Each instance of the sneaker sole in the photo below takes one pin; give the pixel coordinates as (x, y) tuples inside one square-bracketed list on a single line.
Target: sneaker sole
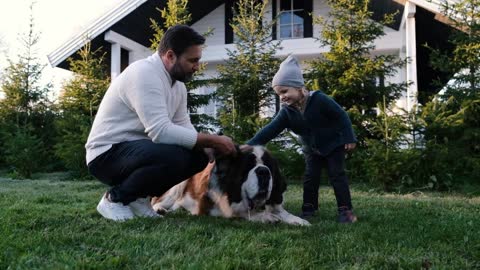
[(140, 214), (105, 214)]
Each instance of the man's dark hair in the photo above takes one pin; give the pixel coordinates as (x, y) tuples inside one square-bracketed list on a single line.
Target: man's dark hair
[(178, 38)]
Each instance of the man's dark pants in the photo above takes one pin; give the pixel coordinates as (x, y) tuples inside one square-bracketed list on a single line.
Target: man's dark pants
[(141, 168), (335, 165)]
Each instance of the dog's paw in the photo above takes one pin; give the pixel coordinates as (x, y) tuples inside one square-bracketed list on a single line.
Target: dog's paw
[(301, 222), (159, 209), (264, 217), (294, 220), (269, 218)]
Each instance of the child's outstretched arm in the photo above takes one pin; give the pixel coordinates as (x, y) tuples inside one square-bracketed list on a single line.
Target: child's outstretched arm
[(271, 130)]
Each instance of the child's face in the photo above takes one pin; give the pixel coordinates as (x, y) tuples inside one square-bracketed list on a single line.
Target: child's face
[(288, 95)]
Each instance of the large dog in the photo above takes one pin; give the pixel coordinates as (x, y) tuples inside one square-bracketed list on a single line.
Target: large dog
[(248, 186)]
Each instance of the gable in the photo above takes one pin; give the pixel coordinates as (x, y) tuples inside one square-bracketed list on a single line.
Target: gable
[(131, 18)]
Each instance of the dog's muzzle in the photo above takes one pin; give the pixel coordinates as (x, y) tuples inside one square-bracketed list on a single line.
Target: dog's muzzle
[(258, 201)]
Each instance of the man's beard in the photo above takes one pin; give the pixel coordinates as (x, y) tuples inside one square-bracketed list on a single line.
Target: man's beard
[(179, 74)]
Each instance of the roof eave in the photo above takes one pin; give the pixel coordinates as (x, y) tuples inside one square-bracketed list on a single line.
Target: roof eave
[(98, 27)]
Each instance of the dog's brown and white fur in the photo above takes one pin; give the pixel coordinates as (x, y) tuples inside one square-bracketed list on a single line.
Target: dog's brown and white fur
[(248, 185)]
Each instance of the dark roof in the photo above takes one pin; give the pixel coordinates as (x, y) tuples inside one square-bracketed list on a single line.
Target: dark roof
[(136, 25), (382, 7), (435, 34)]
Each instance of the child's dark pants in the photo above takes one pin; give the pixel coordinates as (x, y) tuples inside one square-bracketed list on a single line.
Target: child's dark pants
[(141, 168), (335, 165)]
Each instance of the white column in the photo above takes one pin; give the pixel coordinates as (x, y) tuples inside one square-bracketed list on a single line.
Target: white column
[(411, 51), (136, 51), (115, 58)]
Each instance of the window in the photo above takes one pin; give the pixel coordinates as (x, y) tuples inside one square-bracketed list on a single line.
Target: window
[(294, 19), (211, 108), (291, 19)]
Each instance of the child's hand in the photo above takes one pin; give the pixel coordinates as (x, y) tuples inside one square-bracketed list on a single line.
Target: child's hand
[(350, 146)]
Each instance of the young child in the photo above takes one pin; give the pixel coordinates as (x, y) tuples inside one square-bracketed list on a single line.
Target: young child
[(325, 131)]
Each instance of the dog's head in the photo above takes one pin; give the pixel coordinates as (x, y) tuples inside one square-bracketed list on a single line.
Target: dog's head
[(252, 177)]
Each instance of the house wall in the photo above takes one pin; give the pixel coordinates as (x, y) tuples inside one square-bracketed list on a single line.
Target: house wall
[(216, 21), (215, 52), (320, 9), (307, 48)]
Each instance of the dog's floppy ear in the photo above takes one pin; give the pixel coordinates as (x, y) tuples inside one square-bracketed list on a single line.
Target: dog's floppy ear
[(220, 157), (223, 162), (279, 185)]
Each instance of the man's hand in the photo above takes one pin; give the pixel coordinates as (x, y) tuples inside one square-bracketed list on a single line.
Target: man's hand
[(350, 146), (223, 145)]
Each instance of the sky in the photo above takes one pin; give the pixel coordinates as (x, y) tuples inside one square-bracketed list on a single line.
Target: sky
[(55, 20)]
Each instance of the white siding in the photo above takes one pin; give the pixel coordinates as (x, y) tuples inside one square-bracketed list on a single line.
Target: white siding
[(267, 17), (307, 48), (215, 20), (320, 9)]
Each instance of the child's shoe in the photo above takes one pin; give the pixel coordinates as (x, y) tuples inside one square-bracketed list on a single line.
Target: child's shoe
[(346, 215)]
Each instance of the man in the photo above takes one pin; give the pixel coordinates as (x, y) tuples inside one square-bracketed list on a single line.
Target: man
[(142, 142)]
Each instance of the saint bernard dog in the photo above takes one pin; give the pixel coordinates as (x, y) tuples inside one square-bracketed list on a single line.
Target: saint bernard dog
[(248, 186)]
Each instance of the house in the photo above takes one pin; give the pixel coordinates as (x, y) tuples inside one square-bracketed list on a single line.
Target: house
[(124, 34)]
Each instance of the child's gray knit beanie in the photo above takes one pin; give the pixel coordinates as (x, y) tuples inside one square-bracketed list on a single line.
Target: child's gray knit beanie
[(289, 74)]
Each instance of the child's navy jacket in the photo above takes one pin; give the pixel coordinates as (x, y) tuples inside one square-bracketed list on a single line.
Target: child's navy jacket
[(322, 127)]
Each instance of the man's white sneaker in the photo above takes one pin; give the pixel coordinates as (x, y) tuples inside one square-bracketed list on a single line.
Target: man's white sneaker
[(114, 211), (143, 208)]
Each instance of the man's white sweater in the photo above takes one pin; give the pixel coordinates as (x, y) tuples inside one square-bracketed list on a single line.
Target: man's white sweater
[(141, 103)]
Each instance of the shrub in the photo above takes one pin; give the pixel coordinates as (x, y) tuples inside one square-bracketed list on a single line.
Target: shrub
[(71, 150), (287, 151), (24, 152)]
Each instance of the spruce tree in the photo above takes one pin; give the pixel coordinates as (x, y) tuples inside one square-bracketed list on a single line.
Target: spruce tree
[(464, 61), (454, 113), (26, 117), (349, 72), (78, 104), (174, 13), (452, 125), (244, 80)]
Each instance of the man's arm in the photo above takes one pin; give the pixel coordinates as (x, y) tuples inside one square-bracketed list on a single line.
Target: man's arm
[(147, 99)]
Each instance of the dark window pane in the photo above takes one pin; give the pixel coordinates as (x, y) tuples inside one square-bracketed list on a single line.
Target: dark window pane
[(298, 4), (285, 4)]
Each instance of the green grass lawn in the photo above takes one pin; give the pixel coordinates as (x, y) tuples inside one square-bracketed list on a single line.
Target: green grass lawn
[(52, 224)]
